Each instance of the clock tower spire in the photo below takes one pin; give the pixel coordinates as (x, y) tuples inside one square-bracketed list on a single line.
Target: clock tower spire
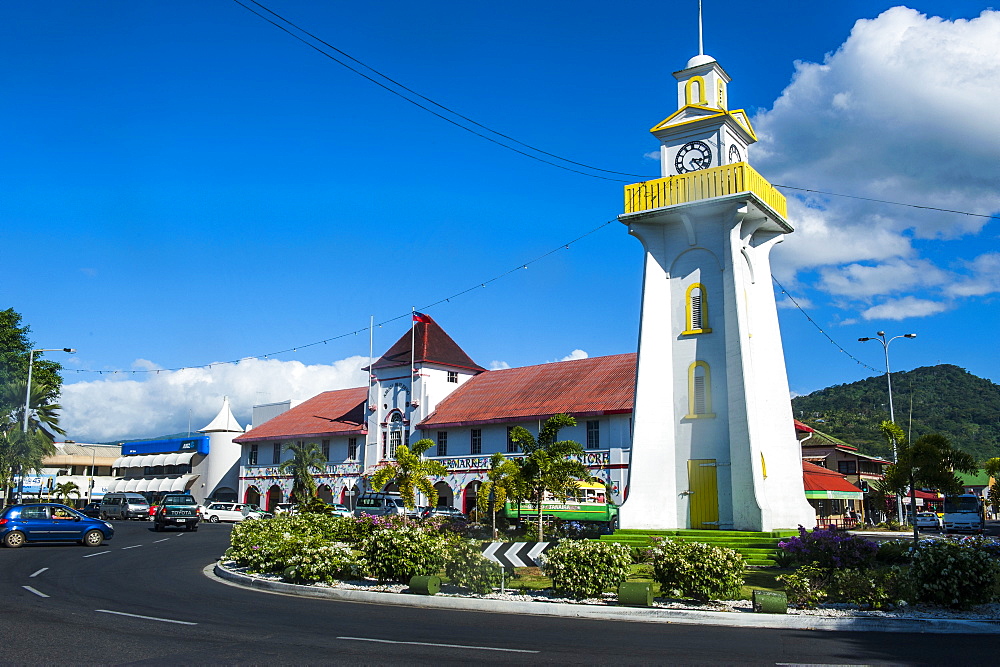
[(713, 441)]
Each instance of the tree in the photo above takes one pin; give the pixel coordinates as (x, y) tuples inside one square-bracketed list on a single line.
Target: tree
[(411, 472), (549, 465), (992, 468), (307, 457), (22, 451), (63, 491), (15, 348), (503, 481), (929, 463)]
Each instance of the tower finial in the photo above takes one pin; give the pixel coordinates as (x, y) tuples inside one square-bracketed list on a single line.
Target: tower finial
[(701, 41)]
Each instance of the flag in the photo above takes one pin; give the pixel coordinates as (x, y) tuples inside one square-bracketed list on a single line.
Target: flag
[(420, 317)]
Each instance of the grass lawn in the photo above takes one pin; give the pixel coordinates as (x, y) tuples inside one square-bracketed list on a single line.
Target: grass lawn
[(531, 578)]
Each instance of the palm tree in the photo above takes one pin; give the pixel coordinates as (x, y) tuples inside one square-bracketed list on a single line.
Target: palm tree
[(63, 491), (411, 472), (306, 458), (502, 481), (550, 465), (22, 451)]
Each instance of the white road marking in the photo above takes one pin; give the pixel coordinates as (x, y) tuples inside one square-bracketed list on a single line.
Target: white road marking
[(35, 591), (134, 546), (148, 618), (163, 540), (99, 553), (35, 574), (474, 648)]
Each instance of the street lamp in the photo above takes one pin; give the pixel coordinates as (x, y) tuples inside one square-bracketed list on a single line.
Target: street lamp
[(27, 404), (888, 378), (27, 393)]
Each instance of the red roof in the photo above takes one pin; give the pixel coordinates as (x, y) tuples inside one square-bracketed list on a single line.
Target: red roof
[(340, 412), (431, 345), (799, 426), (818, 478), (581, 388)]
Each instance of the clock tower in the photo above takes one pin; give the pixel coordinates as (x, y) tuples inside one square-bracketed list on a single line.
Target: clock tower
[(713, 443)]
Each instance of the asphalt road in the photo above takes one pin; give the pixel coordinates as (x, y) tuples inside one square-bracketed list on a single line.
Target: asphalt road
[(143, 599)]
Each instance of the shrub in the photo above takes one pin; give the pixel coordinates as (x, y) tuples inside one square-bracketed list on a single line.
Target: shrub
[(806, 587), (953, 574), (270, 545), (466, 566), (894, 552), (584, 569), (696, 570), (830, 549), (400, 553), (875, 588), (325, 563)]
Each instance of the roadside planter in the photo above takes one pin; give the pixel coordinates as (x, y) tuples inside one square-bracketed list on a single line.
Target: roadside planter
[(770, 602)]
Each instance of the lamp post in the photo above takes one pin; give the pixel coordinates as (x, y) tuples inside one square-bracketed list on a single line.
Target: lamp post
[(892, 413), (27, 408)]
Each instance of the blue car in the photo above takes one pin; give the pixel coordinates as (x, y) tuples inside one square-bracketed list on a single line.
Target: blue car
[(51, 522)]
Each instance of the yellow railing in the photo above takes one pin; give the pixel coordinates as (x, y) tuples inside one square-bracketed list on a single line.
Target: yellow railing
[(715, 182)]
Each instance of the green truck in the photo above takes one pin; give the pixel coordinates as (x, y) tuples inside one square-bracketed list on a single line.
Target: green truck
[(176, 509)]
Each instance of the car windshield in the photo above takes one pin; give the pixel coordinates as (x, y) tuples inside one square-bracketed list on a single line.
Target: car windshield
[(961, 504)]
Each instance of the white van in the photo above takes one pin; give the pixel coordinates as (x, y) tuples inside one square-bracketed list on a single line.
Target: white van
[(124, 506), (379, 504)]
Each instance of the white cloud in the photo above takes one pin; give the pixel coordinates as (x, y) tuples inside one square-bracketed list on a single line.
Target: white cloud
[(903, 111), (575, 354), (498, 365), (901, 309), (984, 278), (652, 155), (140, 405)]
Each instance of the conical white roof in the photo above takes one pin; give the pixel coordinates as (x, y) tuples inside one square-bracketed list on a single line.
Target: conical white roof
[(224, 421)]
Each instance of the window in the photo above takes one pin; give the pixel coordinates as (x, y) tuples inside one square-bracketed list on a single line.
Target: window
[(352, 449), (511, 445), (395, 440), (593, 434), (697, 310), (453, 376), (252, 456), (847, 467), (276, 453), (326, 450), (699, 391), (477, 441), (442, 443)]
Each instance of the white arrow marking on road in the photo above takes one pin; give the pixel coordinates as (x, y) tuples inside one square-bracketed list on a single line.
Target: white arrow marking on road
[(99, 553), (35, 591), (148, 618), (32, 576), (474, 648)]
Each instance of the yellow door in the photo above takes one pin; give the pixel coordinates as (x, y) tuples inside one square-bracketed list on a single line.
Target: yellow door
[(703, 501)]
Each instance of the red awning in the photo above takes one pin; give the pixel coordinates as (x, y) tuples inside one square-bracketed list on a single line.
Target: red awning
[(818, 478)]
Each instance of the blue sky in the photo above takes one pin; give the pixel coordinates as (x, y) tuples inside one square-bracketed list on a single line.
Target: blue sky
[(181, 183)]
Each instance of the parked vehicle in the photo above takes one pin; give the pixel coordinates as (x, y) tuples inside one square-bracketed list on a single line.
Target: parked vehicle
[(51, 522), (341, 510), (379, 504), (446, 512), (284, 508), (235, 512), (590, 502), (124, 506), (93, 510), (928, 521), (179, 510), (964, 514)]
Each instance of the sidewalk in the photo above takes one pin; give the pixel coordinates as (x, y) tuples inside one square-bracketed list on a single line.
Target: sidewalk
[(645, 615)]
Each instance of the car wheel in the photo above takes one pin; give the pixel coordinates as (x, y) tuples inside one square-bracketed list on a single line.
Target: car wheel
[(193, 527), (213, 519), (93, 538), (157, 527), (13, 539)]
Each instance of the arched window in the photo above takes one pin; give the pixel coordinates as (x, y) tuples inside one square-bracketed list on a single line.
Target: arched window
[(722, 94), (699, 391), (395, 434), (694, 91), (697, 310)]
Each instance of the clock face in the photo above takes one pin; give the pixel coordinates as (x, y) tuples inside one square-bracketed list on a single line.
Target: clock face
[(693, 156), (734, 155)]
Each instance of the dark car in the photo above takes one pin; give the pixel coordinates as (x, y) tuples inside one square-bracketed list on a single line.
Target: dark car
[(93, 510), (51, 522), (176, 509)]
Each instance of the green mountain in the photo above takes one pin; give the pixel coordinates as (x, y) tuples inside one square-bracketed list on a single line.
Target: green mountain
[(941, 399)]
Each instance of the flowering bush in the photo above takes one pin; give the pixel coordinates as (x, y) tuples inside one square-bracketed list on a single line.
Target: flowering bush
[(396, 554), (584, 569), (869, 588), (829, 549), (696, 570), (806, 587), (325, 563), (466, 566), (954, 573), (270, 545)]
